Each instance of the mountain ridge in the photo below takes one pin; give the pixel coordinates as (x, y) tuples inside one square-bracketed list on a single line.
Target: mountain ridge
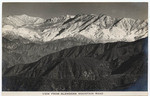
[(73, 53), (100, 28), (88, 67), (32, 40)]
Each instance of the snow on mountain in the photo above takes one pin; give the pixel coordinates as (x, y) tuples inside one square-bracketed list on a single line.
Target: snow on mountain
[(20, 20), (27, 39), (99, 28), (23, 32), (74, 49)]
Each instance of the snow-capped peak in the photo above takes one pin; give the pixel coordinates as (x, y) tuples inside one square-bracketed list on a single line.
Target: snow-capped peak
[(20, 20), (98, 28)]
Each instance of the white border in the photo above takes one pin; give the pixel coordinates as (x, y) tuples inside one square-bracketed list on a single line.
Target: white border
[(42, 1)]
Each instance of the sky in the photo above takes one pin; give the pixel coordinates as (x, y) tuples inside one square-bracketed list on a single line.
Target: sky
[(48, 10)]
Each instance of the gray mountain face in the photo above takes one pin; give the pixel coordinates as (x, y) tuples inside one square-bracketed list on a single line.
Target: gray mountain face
[(110, 66), (27, 39)]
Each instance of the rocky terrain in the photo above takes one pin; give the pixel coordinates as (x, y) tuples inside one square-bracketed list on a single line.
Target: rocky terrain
[(75, 53), (26, 39), (90, 67)]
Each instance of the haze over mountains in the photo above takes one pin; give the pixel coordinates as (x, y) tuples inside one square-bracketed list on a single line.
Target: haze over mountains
[(73, 52)]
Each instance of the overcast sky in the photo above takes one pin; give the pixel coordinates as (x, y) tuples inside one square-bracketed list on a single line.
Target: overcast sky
[(48, 10)]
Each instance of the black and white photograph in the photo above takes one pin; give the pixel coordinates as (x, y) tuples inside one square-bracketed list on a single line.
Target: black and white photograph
[(80, 46)]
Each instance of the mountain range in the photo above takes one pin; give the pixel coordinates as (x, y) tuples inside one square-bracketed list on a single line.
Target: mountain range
[(26, 39), (73, 52)]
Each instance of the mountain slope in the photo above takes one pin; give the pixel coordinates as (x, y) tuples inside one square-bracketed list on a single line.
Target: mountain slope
[(99, 28), (107, 66), (22, 52), (26, 39)]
